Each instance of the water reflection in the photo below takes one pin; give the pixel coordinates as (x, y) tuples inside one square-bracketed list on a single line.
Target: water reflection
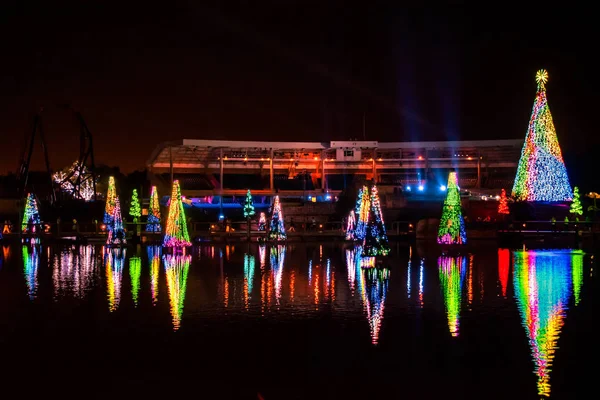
[(277, 262), (503, 269), (31, 263), (154, 253), (249, 262), (452, 271), (74, 271), (373, 289), (542, 283), (135, 272), (114, 258), (176, 270)]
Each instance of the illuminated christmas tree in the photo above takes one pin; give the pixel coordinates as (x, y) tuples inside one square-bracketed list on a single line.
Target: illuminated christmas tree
[(153, 224), (134, 209), (277, 226), (31, 216), (176, 233), (363, 206), (576, 204), (376, 241), (503, 204), (452, 224), (262, 222), (111, 195), (248, 206), (541, 174), (116, 232)]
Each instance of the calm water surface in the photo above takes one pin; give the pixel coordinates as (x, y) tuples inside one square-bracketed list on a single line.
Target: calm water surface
[(296, 322)]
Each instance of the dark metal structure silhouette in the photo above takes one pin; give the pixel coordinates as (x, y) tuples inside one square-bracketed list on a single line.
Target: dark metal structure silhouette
[(84, 162)]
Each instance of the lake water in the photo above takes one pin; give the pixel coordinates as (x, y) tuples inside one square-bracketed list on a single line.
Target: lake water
[(302, 321)]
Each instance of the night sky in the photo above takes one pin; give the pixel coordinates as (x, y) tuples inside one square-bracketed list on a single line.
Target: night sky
[(289, 70)]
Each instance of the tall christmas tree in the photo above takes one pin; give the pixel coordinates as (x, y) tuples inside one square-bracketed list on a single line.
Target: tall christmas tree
[(277, 227), (452, 225), (376, 241), (576, 204), (541, 174), (31, 216), (134, 208), (176, 233), (116, 233), (111, 195), (153, 224), (503, 204)]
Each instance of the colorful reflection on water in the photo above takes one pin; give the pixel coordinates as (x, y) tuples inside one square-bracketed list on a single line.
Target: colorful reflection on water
[(543, 283), (154, 254), (176, 269), (31, 263), (452, 271), (74, 271), (114, 258), (319, 290)]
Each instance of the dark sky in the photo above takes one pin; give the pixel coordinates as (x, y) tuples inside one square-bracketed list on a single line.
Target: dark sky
[(288, 70)]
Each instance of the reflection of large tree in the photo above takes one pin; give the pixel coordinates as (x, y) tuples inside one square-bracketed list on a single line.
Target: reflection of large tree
[(452, 271), (73, 271), (373, 285), (113, 262), (176, 269), (542, 282)]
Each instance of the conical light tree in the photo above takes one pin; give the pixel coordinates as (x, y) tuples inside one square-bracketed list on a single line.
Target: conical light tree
[(248, 211), (134, 208), (248, 206), (153, 224), (452, 225), (363, 206), (576, 204), (176, 233), (31, 217), (277, 226), (116, 232), (376, 241), (111, 195), (541, 173), (503, 204)]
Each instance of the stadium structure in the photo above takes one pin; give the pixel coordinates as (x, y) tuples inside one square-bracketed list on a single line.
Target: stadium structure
[(217, 173)]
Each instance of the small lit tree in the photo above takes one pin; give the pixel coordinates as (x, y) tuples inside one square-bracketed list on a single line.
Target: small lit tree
[(31, 216), (262, 222), (153, 224), (503, 204), (248, 211), (576, 204), (134, 208), (277, 227)]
